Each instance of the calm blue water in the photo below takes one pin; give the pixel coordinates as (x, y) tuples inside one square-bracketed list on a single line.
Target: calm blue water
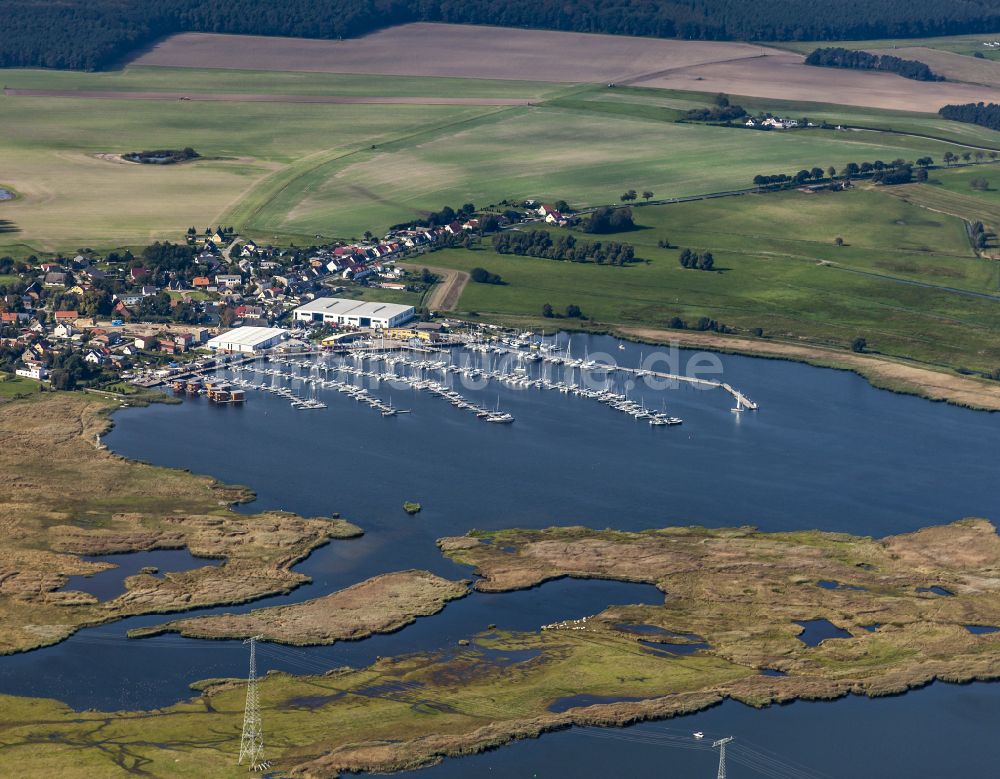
[(825, 450), (110, 583)]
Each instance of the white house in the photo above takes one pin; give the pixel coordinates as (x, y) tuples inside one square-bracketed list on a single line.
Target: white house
[(228, 280), (37, 372)]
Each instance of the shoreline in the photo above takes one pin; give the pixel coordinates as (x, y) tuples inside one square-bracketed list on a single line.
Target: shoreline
[(881, 372)]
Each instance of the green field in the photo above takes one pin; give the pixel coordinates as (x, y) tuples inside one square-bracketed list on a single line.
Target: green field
[(12, 386), (778, 269), (292, 172), (585, 157), (138, 78)]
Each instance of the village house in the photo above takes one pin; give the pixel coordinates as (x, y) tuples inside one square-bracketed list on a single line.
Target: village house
[(95, 357), (33, 371), (55, 279), (146, 343), (228, 280)]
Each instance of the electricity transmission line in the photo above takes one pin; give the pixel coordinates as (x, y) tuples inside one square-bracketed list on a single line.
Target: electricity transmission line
[(252, 742)]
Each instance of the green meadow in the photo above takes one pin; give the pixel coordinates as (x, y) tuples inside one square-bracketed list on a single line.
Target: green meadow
[(897, 280)]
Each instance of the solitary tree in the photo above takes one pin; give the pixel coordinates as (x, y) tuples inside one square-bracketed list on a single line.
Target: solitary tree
[(858, 344), (647, 195), (831, 172), (838, 241), (547, 311)]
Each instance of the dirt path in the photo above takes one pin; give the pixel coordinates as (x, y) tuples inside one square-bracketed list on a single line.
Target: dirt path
[(446, 293), (908, 378), (222, 97)]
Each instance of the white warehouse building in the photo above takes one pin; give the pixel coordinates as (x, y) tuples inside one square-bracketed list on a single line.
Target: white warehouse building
[(247, 339), (354, 313)]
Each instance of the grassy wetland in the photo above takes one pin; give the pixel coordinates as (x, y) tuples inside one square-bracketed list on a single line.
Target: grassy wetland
[(61, 498), (738, 603)]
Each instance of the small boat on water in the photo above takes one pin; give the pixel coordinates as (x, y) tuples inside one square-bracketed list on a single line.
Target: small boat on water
[(698, 734)]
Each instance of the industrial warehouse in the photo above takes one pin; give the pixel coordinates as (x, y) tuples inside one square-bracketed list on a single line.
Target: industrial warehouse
[(247, 339), (353, 313)]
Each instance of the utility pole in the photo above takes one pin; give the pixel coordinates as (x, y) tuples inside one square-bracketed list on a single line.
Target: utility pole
[(252, 742), (721, 744)]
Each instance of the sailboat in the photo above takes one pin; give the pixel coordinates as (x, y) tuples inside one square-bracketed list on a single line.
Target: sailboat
[(500, 418)]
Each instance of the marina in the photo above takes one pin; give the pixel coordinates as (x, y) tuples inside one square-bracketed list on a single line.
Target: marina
[(360, 372)]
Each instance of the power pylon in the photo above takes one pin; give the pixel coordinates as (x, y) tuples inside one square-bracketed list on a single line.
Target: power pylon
[(252, 742), (721, 744)]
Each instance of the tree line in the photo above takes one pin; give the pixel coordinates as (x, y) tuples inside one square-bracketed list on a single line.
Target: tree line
[(899, 171), (838, 57), (93, 34), (538, 243), (984, 114)]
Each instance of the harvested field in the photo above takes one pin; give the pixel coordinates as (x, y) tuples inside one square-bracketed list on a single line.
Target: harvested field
[(784, 76), (954, 67), (101, 94), (455, 50), (535, 55)]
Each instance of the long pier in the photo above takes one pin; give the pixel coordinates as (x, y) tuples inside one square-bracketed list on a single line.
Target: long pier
[(743, 403)]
